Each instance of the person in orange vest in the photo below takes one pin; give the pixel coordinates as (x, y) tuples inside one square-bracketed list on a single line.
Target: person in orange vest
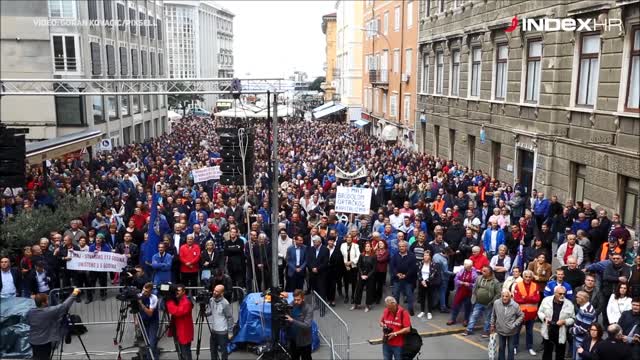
[(607, 249), (438, 205), (527, 295)]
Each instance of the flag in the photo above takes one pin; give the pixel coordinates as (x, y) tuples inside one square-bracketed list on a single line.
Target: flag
[(150, 247)]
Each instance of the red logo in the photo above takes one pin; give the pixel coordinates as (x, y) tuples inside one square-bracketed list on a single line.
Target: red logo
[(514, 24)]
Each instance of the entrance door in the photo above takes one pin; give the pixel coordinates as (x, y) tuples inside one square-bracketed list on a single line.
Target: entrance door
[(525, 169)]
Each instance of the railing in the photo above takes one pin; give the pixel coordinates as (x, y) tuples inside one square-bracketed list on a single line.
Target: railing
[(379, 77), (333, 330)]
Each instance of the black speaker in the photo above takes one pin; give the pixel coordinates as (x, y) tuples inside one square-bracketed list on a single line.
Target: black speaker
[(231, 154), (12, 158)]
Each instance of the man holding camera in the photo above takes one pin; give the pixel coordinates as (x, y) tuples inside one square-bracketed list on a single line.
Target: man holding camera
[(181, 321), (299, 332), (46, 324), (395, 323), (220, 317), (148, 304)]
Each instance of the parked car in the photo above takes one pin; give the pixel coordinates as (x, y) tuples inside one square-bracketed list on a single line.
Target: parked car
[(197, 111)]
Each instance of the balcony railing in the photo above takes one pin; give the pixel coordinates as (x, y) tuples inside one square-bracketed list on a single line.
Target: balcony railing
[(66, 64), (379, 77)]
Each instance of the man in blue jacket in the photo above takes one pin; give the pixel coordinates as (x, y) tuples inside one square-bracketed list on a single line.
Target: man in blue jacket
[(296, 264), (101, 276), (405, 272), (161, 264), (541, 209)]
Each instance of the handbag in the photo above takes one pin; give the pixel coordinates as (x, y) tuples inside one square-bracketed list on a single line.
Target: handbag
[(492, 347), (206, 274)]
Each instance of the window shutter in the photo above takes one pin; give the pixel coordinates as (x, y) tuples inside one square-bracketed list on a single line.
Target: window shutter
[(111, 60), (143, 55), (134, 62), (96, 68), (108, 9), (160, 64), (93, 9), (152, 58), (121, 18), (132, 18), (124, 65), (159, 27), (143, 29), (152, 32)]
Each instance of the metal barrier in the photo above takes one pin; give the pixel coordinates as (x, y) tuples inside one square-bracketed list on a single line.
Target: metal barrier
[(333, 330)]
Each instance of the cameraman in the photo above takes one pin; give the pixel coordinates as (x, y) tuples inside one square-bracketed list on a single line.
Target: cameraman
[(181, 321), (299, 332), (148, 303), (46, 324), (220, 317), (395, 323), (137, 277)]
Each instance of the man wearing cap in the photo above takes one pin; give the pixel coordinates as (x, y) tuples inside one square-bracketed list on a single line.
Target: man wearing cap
[(317, 263)]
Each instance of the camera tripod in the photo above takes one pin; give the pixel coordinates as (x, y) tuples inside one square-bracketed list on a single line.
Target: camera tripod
[(68, 325), (200, 319), (120, 330)]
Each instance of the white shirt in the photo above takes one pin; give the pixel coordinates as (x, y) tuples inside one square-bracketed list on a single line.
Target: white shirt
[(426, 270), (396, 220), (176, 241), (8, 287), (475, 222), (298, 252), (42, 285), (494, 240)]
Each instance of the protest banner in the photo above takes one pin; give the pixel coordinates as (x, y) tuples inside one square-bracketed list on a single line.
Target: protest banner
[(206, 173), (353, 200), (97, 261)]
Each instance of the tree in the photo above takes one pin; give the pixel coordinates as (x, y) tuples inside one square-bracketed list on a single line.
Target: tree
[(315, 85), (183, 99)]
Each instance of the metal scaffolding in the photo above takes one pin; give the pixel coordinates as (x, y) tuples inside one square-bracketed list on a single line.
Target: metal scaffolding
[(112, 87)]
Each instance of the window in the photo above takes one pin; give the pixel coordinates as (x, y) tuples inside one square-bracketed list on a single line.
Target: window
[(143, 29), (408, 54), (534, 57), (143, 60), (439, 71), (384, 102), (124, 105), (159, 27), (441, 7), (385, 23), (384, 66), (121, 20), (579, 175), (396, 61), (376, 101), (132, 23), (476, 62), (409, 14), (425, 73), (112, 107), (427, 8), (152, 62), (589, 69), (92, 7), (455, 73), (394, 106), (396, 19), (633, 85), (407, 108), (146, 103), (96, 65), (160, 64), (136, 104), (108, 10), (124, 64), (69, 111), (502, 54), (152, 30), (62, 8), (111, 60), (65, 53), (630, 201), (98, 108), (134, 62)]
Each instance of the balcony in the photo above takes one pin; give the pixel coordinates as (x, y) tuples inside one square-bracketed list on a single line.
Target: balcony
[(379, 77)]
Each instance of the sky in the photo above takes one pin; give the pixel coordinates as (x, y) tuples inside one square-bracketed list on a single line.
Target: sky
[(276, 38)]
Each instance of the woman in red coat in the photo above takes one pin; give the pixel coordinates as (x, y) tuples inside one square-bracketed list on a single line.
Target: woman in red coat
[(181, 321)]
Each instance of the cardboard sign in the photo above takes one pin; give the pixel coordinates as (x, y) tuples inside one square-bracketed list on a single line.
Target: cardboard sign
[(353, 200), (206, 173), (97, 261)]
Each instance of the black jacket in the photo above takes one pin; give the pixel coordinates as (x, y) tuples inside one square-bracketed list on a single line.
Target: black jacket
[(608, 349), (367, 265), (435, 275), (234, 251), (133, 251), (321, 261), (32, 281), (16, 280), (335, 264)]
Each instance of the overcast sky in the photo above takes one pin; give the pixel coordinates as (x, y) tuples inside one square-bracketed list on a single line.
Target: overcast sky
[(275, 38)]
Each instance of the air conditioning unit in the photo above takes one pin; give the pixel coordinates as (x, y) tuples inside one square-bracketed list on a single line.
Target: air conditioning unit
[(406, 77)]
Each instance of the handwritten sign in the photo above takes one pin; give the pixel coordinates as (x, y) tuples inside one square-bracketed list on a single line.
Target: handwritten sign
[(97, 261), (353, 200), (206, 173)]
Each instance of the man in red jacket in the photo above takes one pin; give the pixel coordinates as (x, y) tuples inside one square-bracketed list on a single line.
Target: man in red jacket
[(181, 321), (189, 262), (527, 295)]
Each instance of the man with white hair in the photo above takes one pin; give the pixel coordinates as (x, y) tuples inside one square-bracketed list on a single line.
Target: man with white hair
[(395, 323), (557, 315), (506, 319)]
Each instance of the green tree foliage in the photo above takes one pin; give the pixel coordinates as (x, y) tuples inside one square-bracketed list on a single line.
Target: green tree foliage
[(315, 85)]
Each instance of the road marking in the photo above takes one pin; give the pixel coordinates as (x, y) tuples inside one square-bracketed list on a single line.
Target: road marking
[(465, 339)]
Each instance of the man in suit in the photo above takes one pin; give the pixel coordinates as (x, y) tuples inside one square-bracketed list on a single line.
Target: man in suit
[(317, 263), (39, 280), (377, 196), (10, 282), (179, 237), (296, 264), (299, 327), (335, 270)]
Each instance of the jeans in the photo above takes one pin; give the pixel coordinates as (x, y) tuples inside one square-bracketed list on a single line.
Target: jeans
[(506, 343), (218, 343), (41, 352), (560, 237), (466, 304), (152, 334), (444, 291), (391, 352), (185, 351), (528, 325), (479, 309), (406, 288)]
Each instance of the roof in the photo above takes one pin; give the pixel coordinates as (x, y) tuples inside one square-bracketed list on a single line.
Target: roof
[(62, 145)]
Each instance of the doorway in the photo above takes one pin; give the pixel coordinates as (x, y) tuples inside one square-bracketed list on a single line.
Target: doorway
[(525, 170)]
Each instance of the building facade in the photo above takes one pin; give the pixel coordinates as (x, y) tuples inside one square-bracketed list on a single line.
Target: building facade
[(69, 39), (389, 81), (199, 41), (349, 36), (329, 30), (556, 110)]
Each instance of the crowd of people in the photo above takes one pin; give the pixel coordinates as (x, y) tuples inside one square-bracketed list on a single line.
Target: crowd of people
[(443, 235)]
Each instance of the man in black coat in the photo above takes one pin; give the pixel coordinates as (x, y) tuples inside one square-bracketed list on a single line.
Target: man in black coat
[(39, 280), (335, 270), (614, 347), (10, 285), (317, 263)]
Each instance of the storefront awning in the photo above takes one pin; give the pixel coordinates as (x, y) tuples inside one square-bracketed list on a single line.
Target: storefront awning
[(361, 123), (329, 111), (60, 146), (326, 105), (390, 133)]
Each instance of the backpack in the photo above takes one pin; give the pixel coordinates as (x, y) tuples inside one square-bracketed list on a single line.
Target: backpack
[(412, 344)]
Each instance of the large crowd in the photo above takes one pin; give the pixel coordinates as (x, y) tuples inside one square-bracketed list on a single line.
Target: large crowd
[(451, 238)]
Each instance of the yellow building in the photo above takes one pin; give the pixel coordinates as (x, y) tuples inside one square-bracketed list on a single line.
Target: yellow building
[(329, 30)]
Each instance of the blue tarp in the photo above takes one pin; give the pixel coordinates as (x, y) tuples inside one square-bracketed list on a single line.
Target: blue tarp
[(14, 331), (254, 312)]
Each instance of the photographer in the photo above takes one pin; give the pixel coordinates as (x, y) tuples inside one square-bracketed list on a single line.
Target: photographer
[(46, 324), (134, 276), (148, 303), (181, 321), (299, 332), (220, 317), (395, 323)]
